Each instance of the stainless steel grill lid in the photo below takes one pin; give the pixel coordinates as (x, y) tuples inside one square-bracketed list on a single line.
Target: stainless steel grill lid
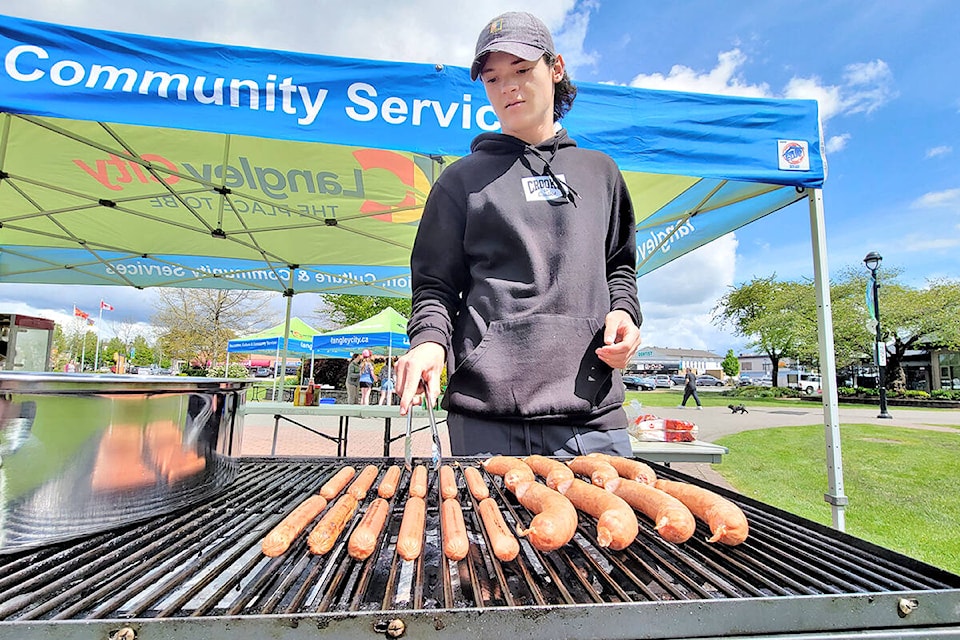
[(80, 454)]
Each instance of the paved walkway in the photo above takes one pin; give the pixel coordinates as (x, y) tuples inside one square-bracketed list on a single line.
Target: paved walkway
[(366, 435)]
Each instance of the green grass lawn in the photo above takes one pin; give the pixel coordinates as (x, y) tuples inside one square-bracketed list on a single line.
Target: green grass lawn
[(901, 482), (672, 397)]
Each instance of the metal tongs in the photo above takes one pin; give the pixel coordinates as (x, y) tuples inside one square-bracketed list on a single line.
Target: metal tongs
[(408, 441)]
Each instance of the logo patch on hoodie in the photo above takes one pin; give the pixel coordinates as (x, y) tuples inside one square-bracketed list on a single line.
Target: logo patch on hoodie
[(542, 188)]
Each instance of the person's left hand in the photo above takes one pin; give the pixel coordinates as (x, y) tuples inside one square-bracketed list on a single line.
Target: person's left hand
[(621, 339)]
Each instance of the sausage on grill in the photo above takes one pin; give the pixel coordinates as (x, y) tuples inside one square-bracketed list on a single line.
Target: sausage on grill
[(475, 483), (448, 482), (627, 468), (553, 471), (671, 518), (331, 525), (513, 470), (363, 540), (363, 482), (418, 482), (599, 471), (388, 486), (410, 537), (727, 522), (455, 542), (617, 524), (555, 521), (332, 487), (503, 542), (282, 536)]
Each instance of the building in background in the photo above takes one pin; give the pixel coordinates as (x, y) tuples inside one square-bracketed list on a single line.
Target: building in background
[(654, 360)]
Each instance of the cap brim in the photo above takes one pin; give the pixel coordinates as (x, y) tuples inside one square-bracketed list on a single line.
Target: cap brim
[(520, 49)]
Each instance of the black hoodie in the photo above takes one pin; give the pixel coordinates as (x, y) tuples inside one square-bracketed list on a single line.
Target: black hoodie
[(521, 252)]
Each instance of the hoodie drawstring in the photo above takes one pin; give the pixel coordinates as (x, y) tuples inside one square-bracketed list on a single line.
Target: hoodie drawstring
[(568, 192)]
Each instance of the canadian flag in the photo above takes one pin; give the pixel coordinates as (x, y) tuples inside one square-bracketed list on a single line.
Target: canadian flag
[(79, 313), (105, 306)]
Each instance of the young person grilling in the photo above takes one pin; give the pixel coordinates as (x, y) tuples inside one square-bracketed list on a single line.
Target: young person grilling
[(523, 271)]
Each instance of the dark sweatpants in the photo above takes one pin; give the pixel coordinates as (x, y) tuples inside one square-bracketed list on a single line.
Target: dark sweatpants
[(470, 436), (687, 392)]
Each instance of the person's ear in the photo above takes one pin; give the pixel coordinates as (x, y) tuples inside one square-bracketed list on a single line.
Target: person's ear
[(557, 69)]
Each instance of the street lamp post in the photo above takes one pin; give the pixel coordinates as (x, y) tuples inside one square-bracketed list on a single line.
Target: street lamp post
[(872, 261)]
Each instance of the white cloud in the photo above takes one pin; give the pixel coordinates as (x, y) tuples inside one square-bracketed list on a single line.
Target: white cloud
[(837, 143), (724, 78), (936, 199), (926, 243), (678, 298), (941, 150)]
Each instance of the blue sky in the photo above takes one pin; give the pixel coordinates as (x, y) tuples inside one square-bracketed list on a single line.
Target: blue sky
[(889, 103)]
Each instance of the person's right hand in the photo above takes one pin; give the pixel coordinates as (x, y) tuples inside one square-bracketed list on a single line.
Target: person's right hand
[(422, 363)]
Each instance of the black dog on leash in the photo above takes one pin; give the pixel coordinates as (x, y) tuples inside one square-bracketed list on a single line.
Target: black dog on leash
[(737, 408)]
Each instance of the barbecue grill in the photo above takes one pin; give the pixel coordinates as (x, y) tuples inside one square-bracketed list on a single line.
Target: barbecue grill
[(199, 573)]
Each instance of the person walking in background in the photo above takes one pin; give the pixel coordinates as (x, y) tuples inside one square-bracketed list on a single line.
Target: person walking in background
[(353, 379), (386, 383), (690, 389), (367, 376)]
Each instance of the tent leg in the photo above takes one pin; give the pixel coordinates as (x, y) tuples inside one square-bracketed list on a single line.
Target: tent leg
[(828, 365), (288, 294)]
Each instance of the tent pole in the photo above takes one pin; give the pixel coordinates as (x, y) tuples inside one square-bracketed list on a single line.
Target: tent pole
[(828, 365), (288, 294)]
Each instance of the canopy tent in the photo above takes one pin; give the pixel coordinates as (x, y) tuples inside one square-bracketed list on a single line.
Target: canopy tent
[(142, 161), (291, 336), (299, 339), (384, 332)]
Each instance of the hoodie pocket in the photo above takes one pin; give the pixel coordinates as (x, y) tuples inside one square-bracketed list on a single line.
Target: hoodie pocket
[(542, 365)]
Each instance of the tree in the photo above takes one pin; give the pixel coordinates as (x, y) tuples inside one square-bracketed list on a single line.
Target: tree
[(780, 319), (345, 309), (766, 311), (730, 364), (197, 323), (910, 318)]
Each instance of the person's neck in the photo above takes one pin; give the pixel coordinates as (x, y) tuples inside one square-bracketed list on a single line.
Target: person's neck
[(536, 135)]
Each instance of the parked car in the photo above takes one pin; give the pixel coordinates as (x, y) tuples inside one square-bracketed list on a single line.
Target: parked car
[(678, 379), (639, 382), (263, 372), (706, 380), (663, 381)]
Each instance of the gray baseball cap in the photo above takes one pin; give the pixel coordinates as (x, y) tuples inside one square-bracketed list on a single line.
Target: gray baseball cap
[(519, 33)]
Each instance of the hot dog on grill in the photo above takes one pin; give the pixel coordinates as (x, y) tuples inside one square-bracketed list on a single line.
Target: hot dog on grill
[(627, 468), (455, 542), (617, 525), (555, 521), (599, 471), (282, 536), (331, 525), (418, 482), (671, 518), (553, 471), (504, 544), (410, 537), (363, 540), (475, 483), (332, 487), (363, 482), (388, 486), (727, 522), (448, 482)]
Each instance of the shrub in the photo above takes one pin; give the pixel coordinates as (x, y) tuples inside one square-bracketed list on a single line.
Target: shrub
[(236, 371), (915, 393), (945, 394)]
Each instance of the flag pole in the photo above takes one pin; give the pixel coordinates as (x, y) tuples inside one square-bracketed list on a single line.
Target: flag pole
[(96, 357)]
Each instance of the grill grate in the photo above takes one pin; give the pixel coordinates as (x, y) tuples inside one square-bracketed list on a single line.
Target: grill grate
[(206, 561)]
